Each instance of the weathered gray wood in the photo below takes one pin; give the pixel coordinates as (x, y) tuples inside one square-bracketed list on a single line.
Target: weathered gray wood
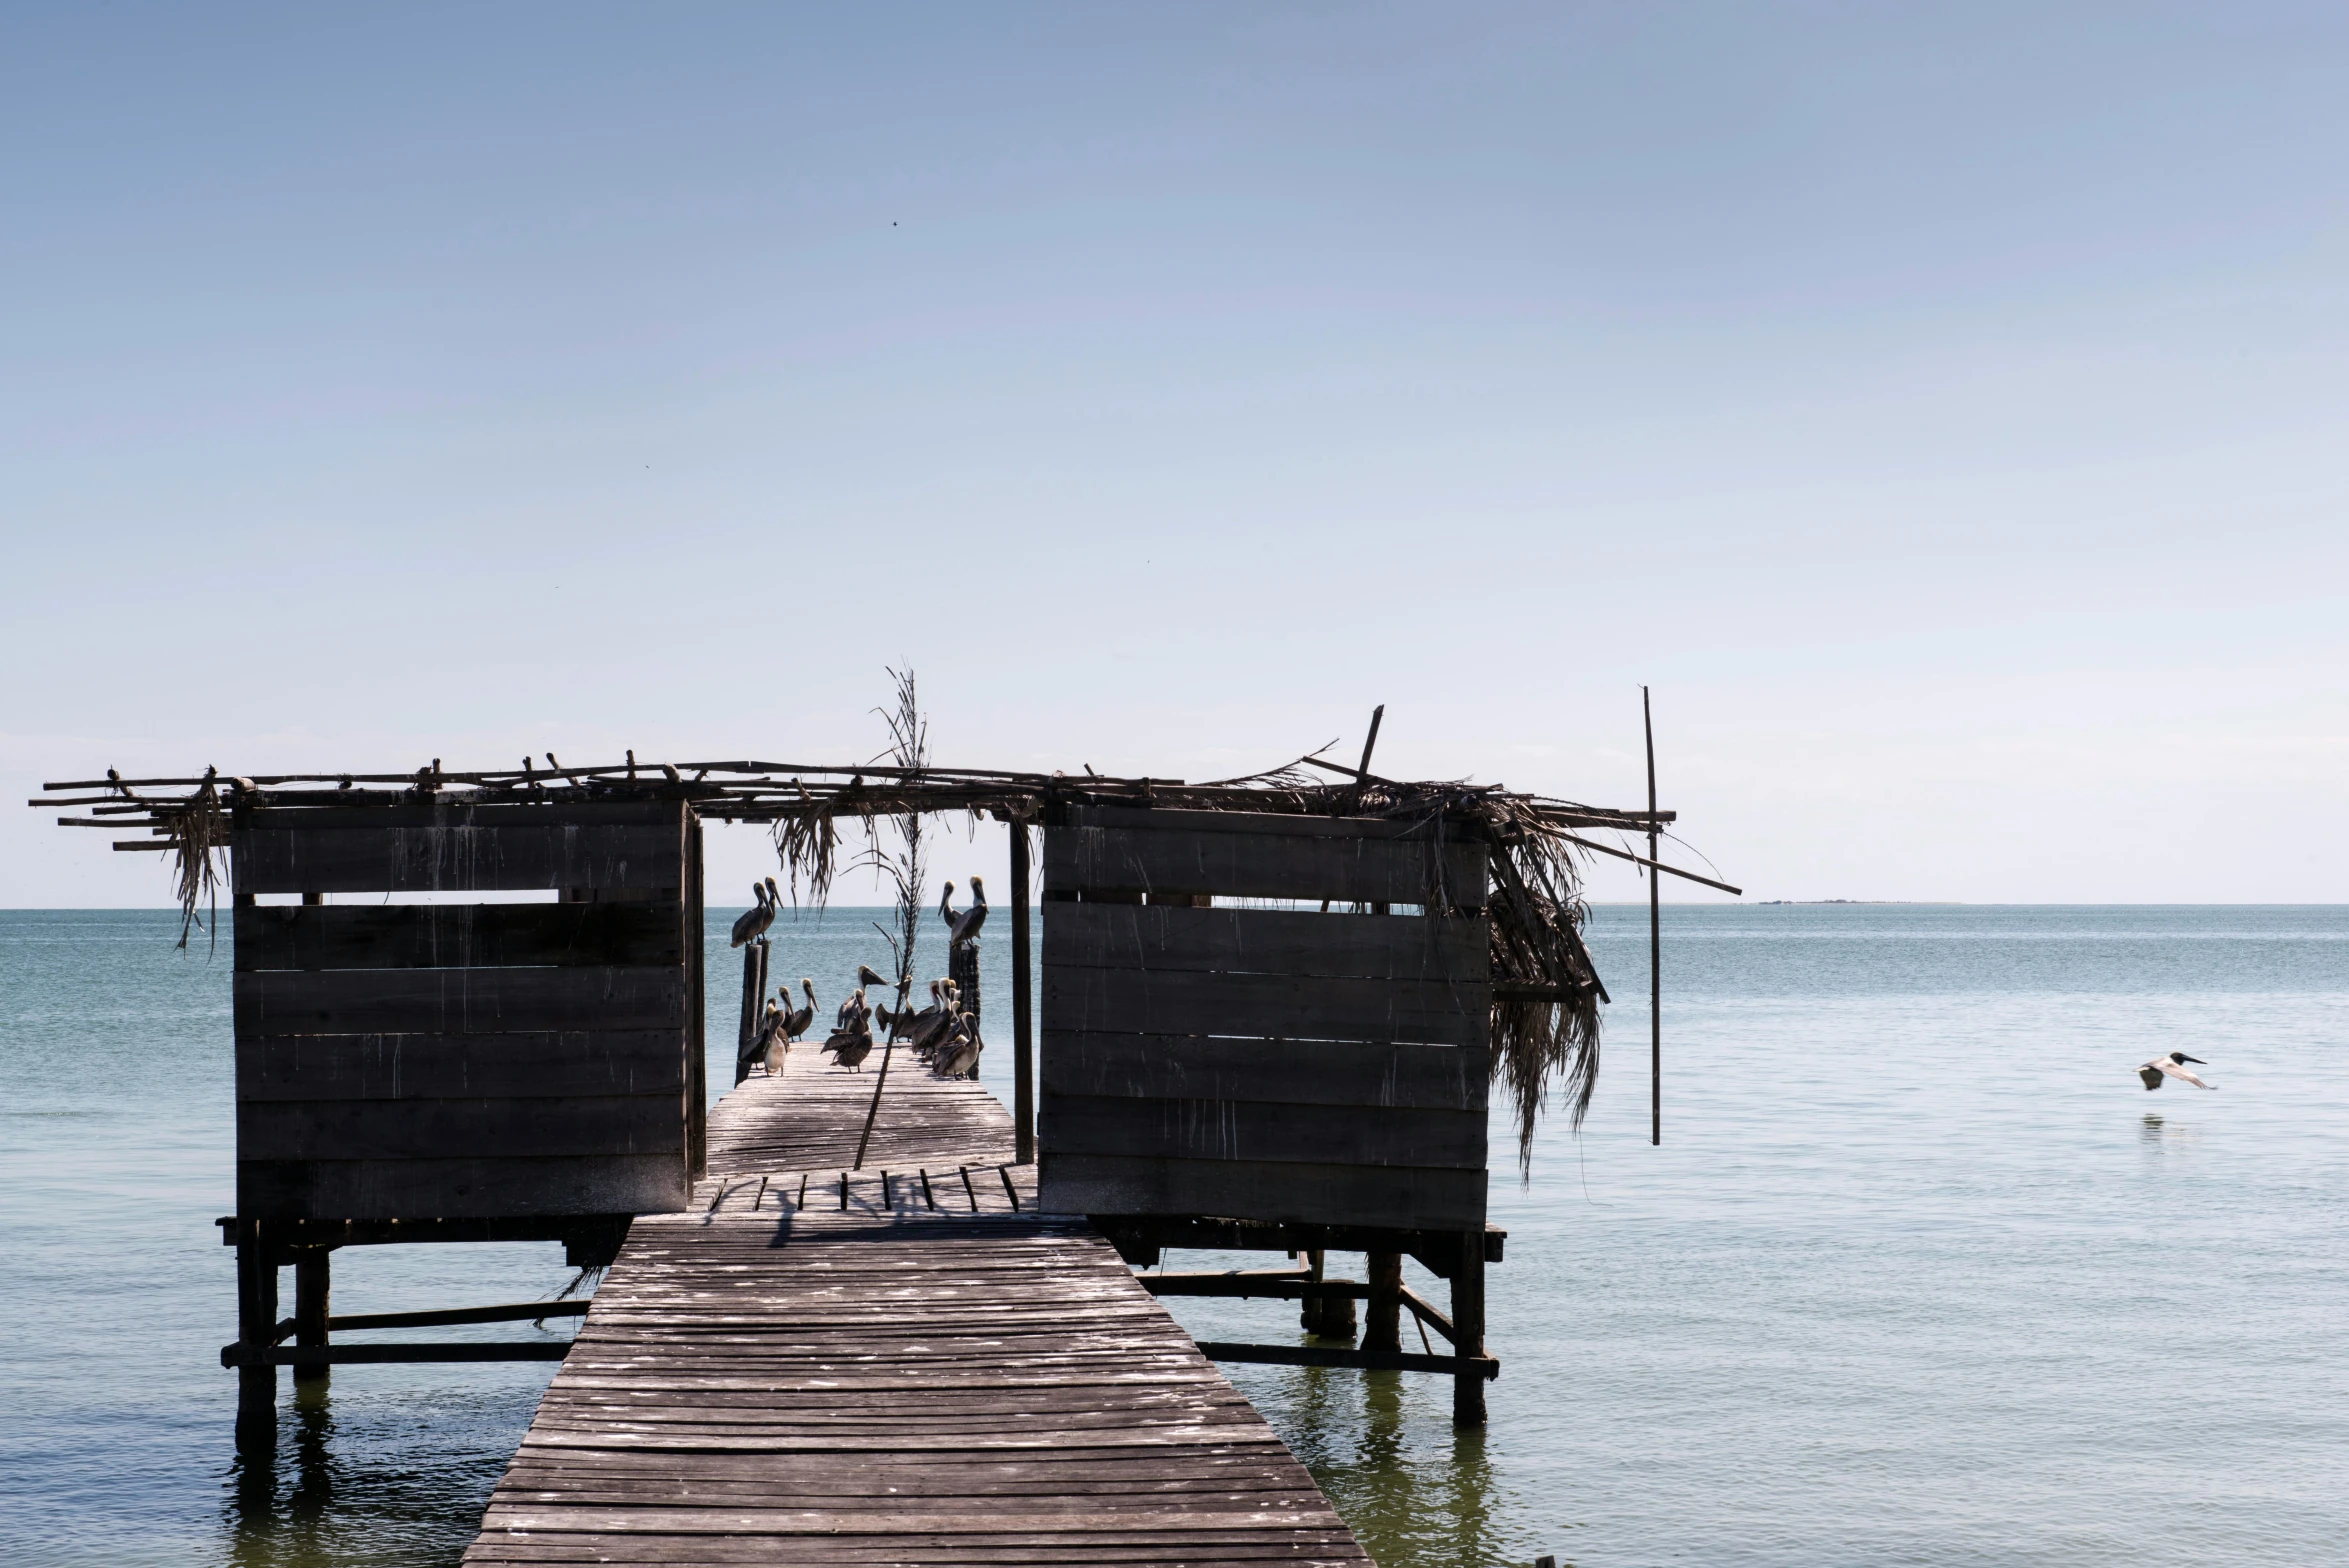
[(458, 1001), (469, 1187), (1279, 862), (1255, 1130), (1267, 941), (537, 1065), (1410, 1198), (480, 849), (449, 1317), (763, 1383), (1480, 1368), (1283, 824), (407, 1354), (1141, 1001), (429, 1129), (1400, 1075), (453, 936)]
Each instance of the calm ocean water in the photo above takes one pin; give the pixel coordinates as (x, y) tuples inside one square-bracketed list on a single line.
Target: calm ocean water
[(1921, 1275)]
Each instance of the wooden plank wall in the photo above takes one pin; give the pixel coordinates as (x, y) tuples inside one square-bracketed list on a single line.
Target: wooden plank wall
[(408, 1061), (1263, 1063)]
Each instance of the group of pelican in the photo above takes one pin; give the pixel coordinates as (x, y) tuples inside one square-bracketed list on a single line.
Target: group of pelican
[(942, 1034)]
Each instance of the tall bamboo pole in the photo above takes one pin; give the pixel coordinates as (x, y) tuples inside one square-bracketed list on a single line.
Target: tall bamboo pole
[(1655, 941)]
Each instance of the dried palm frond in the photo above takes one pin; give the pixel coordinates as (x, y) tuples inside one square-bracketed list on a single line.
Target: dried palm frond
[(199, 831)]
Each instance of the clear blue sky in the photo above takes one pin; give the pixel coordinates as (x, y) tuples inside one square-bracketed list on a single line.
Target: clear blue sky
[(1942, 407)]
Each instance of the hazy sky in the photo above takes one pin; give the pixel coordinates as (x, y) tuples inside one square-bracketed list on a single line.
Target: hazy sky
[(1943, 408)]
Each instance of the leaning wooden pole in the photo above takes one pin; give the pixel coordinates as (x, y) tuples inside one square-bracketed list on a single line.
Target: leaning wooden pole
[(1655, 940), (1023, 1036)]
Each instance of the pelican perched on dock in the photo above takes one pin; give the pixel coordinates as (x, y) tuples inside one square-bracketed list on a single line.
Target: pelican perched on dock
[(755, 920), (767, 1046), (944, 1009), (796, 1021), (959, 1051), (2173, 1066), (963, 929), (852, 1042)]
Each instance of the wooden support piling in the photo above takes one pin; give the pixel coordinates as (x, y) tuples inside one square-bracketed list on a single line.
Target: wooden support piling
[(1468, 1328), (1382, 1327), (1023, 1033), (313, 1279), (256, 1431), (754, 993)]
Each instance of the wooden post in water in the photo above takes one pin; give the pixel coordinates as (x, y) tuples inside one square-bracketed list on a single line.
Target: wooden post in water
[(1382, 1318), (754, 993), (313, 1279), (1468, 1324), (256, 1334), (1023, 1037), (1655, 941)]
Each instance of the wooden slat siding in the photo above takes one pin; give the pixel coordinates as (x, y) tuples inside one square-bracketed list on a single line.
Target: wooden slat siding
[(1266, 941), (1241, 860), (477, 1187), (1144, 1001), (446, 936), (1296, 1072), (457, 849), (921, 1389), (458, 1001), (1254, 1130), (617, 1125), (532, 1066), (1401, 1197)]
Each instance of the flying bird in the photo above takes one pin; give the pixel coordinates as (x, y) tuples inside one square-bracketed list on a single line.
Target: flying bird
[(754, 921), (2173, 1066)]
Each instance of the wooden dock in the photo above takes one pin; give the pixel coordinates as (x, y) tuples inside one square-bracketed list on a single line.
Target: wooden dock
[(901, 1365)]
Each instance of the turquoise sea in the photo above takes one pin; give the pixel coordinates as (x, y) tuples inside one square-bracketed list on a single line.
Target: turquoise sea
[(1920, 1275)]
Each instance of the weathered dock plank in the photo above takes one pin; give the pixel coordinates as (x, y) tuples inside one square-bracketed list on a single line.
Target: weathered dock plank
[(903, 1364)]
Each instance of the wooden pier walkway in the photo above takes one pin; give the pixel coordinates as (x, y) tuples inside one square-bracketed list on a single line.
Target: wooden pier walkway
[(905, 1365)]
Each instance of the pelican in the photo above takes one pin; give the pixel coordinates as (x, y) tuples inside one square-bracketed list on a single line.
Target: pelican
[(852, 1009), (2173, 1066), (754, 921), (941, 1014), (966, 929), (959, 1052), (851, 1045), (796, 1021), (767, 1045), (866, 977)]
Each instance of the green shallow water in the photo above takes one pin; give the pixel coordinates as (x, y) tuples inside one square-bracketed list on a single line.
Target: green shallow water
[(1920, 1274)]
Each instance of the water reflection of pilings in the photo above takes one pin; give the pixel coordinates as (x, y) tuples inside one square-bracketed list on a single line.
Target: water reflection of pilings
[(1424, 1506), (270, 1530)]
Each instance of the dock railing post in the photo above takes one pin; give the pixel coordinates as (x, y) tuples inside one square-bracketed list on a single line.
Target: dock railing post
[(313, 1277), (1468, 1320), (256, 1335), (1023, 1037)]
